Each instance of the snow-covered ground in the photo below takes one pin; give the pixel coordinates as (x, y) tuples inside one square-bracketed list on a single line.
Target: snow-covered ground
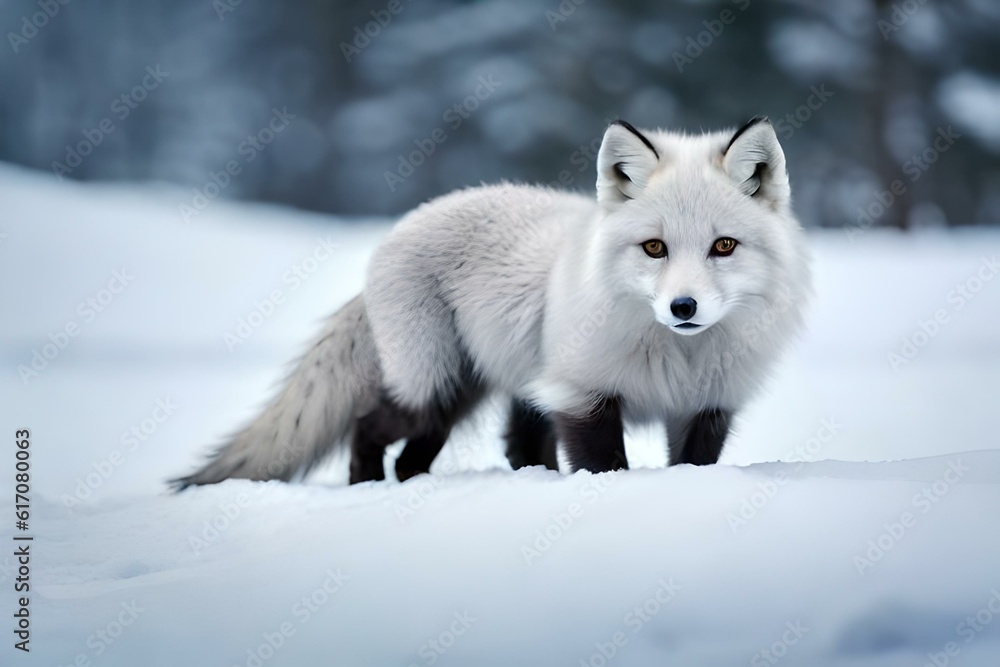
[(854, 520)]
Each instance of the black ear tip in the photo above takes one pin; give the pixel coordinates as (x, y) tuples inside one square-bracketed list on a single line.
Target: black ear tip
[(631, 128), (750, 123), (624, 123)]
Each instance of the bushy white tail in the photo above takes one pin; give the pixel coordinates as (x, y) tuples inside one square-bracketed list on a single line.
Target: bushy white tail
[(334, 383)]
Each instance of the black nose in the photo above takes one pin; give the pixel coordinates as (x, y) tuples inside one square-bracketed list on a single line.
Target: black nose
[(684, 308)]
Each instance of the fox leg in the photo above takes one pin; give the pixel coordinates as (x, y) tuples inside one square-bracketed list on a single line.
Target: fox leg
[(698, 439), (531, 438), (419, 453), (375, 431), (385, 425), (434, 427), (594, 442)]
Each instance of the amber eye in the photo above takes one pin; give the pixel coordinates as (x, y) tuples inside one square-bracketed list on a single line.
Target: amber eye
[(723, 247), (655, 248)]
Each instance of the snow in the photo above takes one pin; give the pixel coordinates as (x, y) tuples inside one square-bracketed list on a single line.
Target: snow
[(851, 521)]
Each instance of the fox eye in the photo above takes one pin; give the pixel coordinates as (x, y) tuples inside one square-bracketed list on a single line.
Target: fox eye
[(655, 248), (723, 247)]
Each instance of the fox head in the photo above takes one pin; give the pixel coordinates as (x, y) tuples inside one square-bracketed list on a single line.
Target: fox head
[(699, 227)]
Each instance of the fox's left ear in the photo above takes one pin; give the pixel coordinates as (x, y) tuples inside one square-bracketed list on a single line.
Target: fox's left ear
[(755, 161), (624, 164)]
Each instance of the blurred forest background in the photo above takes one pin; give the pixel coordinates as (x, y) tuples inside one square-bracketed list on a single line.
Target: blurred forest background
[(369, 108)]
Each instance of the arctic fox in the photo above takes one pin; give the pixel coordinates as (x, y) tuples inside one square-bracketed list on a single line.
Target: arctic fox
[(666, 299)]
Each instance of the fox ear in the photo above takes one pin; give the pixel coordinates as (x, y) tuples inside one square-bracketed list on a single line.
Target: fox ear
[(624, 163), (756, 163)]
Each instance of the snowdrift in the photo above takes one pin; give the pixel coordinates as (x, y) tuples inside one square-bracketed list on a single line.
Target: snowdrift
[(851, 521)]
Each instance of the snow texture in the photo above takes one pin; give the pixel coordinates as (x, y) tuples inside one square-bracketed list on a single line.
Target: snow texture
[(852, 520)]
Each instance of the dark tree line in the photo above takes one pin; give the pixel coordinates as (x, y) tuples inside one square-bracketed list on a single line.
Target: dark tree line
[(889, 111)]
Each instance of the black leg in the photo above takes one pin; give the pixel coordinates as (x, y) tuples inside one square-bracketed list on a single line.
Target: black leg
[(594, 442), (378, 429), (699, 439), (419, 454), (432, 428), (531, 439)]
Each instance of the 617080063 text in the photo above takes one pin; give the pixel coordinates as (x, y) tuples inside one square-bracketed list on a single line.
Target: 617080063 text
[(22, 541)]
